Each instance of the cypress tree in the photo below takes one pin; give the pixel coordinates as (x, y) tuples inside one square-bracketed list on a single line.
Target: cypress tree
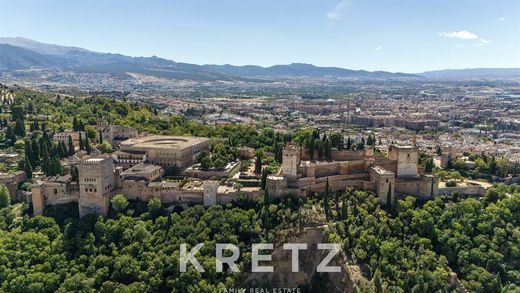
[(55, 167), (9, 134), (344, 209), (258, 164), (263, 182), (44, 158), (28, 168), (70, 146), (100, 137), (74, 173), (349, 143), (28, 151), (19, 127), (62, 150), (36, 151), (88, 148), (326, 200), (81, 143)]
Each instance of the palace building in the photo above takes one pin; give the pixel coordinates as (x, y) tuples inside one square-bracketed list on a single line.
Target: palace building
[(165, 151)]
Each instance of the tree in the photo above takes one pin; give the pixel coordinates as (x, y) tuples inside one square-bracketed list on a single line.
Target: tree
[(91, 132), (119, 203), (81, 143), (349, 143), (238, 186), (309, 145), (9, 134), (74, 173), (428, 168), (19, 128), (377, 284), (258, 164), (154, 207), (263, 181), (87, 146), (204, 160), (35, 146), (29, 155), (360, 146), (328, 150), (55, 167), (5, 198), (326, 200), (369, 140), (28, 168), (336, 140), (438, 150), (100, 137), (70, 146), (105, 147)]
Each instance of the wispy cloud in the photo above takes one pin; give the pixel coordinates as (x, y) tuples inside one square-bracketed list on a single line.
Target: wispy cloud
[(463, 35), (378, 48), (501, 18), (336, 14)]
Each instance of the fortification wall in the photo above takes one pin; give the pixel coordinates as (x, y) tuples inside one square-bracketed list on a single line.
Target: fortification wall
[(463, 190)]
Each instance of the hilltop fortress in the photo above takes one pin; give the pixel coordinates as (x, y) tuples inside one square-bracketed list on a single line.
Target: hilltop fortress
[(386, 176), (137, 168)]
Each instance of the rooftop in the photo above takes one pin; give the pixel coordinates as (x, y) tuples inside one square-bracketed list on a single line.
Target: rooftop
[(160, 141), (140, 169), (382, 171)]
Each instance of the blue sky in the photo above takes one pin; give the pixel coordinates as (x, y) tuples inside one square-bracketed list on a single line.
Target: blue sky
[(393, 35)]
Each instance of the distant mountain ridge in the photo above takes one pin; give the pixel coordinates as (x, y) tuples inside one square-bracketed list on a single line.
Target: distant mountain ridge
[(82, 60), (21, 53), (473, 73)]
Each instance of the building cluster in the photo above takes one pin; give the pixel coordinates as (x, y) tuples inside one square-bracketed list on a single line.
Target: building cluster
[(386, 176), (136, 171)]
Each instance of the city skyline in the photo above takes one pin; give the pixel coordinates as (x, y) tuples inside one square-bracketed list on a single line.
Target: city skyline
[(401, 36)]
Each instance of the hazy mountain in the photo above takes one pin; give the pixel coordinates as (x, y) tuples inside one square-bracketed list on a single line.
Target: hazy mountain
[(14, 58), (473, 73), (21, 53), (82, 60), (300, 69), (42, 48)]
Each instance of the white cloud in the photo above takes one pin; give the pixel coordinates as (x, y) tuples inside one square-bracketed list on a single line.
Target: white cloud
[(463, 35), (336, 14), (378, 48), (484, 41), (501, 18)]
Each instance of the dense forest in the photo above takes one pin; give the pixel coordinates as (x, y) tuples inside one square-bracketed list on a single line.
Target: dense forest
[(416, 245)]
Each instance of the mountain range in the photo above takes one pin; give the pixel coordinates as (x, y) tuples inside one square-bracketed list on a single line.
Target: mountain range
[(23, 54)]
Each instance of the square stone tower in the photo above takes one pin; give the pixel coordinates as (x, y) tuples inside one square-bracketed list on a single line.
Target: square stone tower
[(210, 189), (96, 185), (407, 159), (384, 184), (291, 161)]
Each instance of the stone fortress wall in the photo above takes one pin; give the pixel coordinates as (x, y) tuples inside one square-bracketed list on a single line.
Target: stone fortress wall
[(396, 174)]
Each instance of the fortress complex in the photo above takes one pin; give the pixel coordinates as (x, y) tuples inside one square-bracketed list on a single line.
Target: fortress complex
[(165, 151), (99, 180), (386, 176)]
